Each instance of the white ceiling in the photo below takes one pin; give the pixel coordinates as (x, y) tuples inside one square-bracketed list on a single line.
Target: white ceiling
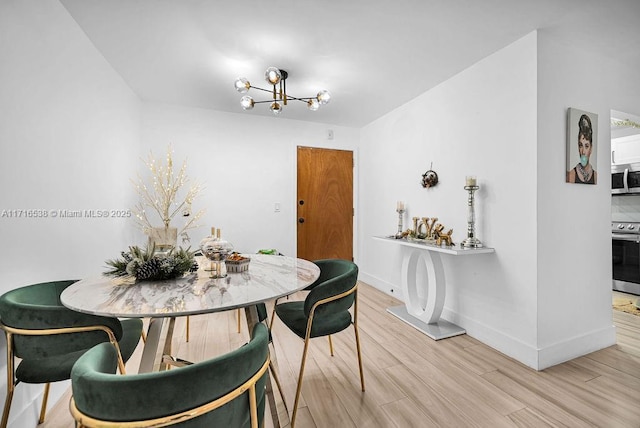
[(371, 55)]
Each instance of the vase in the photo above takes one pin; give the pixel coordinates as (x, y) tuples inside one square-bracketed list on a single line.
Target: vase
[(165, 239)]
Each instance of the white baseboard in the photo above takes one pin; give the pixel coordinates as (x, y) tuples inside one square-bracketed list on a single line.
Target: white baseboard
[(576, 347), (532, 356), (508, 345), (529, 355), (393, 290)]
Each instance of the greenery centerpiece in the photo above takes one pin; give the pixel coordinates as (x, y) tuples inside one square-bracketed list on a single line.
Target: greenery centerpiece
[(145, 264)]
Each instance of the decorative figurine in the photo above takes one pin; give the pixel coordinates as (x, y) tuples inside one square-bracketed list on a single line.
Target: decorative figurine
[(428, 229), (443, 237), (429, 179)]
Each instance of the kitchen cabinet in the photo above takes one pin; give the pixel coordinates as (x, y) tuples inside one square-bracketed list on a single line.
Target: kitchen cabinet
[(625, 150)]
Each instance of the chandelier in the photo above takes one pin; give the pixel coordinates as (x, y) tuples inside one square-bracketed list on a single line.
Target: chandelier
[(278, 80)]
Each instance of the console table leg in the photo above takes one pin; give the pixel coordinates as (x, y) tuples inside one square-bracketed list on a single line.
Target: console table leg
[(427, 318)]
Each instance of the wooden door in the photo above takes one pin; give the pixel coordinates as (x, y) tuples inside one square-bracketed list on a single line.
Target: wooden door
[(325, 203)]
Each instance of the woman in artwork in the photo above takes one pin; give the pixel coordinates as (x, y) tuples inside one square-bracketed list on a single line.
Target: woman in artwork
[(583, 172)]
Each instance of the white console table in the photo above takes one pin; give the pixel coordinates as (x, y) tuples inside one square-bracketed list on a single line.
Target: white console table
[(427, 319)]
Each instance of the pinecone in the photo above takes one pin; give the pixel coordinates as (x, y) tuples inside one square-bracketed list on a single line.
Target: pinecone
[(126, 256), (148, 269)]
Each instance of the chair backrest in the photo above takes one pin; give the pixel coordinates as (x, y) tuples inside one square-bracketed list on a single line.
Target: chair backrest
[(38, 307), (218, 388), (336, 277)]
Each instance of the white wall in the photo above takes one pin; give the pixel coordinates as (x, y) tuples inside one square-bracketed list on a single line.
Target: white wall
[(246, 165), (545, 296), (574, 240), (481, 122), (69, 133), (72, 135)]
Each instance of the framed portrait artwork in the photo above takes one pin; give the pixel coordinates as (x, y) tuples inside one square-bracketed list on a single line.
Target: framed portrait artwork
[(582, 135)]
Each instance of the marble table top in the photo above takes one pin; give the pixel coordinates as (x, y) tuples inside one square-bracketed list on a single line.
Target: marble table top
[(267, 278)]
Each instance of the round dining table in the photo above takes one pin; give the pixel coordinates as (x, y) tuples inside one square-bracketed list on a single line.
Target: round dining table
[(268, 277)]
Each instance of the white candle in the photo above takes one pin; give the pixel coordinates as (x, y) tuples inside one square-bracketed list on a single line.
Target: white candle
[(400, 206), (471, 180)]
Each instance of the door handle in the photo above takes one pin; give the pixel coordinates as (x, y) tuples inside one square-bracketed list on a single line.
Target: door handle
[(301, 220)]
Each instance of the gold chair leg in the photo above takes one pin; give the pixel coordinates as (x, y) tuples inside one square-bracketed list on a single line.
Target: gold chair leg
[(10, 380), (272, 369), (355, 327), (45, 398), (330, 345), (253, 406), (299, 388), (238, 316), (187, 328), (7, 405)]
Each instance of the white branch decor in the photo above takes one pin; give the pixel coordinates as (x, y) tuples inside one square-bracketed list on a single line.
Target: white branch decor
[(161, 197)]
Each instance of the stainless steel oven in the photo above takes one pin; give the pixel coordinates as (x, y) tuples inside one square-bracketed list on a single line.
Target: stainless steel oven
[(625, 239)]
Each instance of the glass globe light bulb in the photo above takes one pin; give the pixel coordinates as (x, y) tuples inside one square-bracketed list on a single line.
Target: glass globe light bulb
[(324, 97), (272, 75), (247, 102), (275, 108), (242, 85), (313, 104)]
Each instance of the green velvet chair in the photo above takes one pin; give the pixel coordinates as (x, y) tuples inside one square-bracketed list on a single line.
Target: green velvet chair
[(49, 338), (227, 391), (325, 311)]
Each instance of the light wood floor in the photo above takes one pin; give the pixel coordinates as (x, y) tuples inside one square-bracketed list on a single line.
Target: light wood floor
[(413, 381)]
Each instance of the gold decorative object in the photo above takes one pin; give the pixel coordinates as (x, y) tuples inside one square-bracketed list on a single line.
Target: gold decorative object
[(428, 230), (424, 227), (442, 237), (414, 232)]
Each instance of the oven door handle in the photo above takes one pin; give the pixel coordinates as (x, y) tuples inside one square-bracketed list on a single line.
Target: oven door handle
[(625, 237), (626, 179)]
